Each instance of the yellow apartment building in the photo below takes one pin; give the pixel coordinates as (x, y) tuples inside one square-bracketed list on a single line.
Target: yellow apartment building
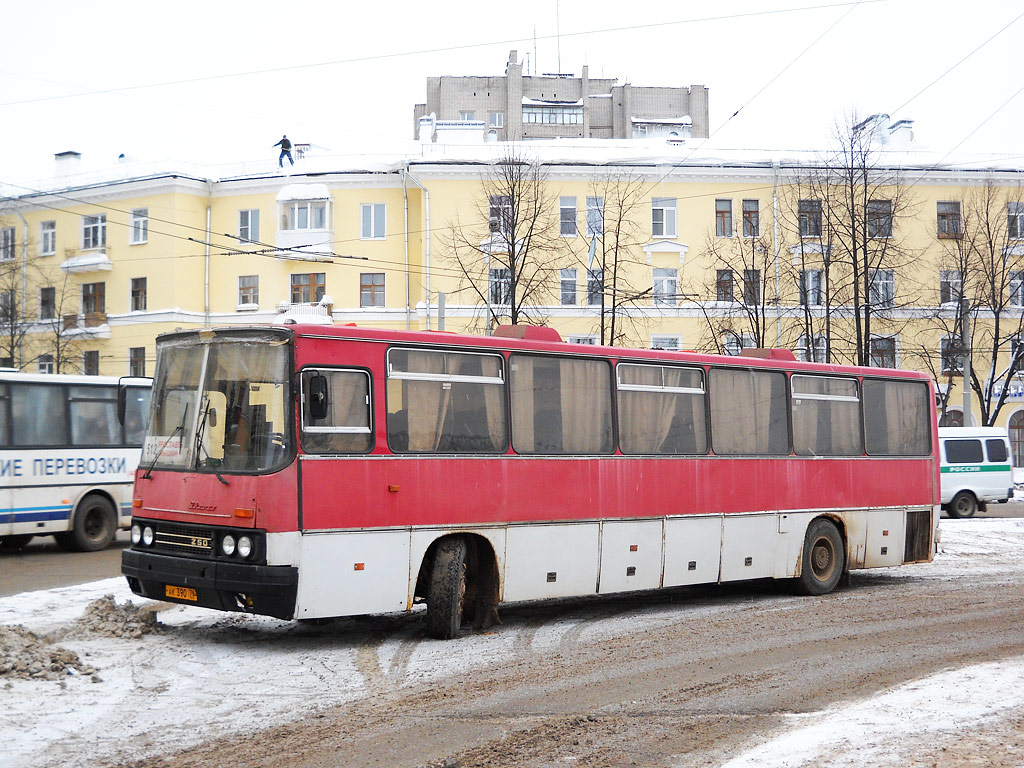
[(651, 243)]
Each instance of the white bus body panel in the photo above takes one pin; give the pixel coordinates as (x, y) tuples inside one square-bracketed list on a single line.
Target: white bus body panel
[(695, 541), (630, 555), (544, 561), (749, 546)]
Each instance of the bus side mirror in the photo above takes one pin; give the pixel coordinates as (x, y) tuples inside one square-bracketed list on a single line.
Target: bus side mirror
[(318, 397), (122, 400)]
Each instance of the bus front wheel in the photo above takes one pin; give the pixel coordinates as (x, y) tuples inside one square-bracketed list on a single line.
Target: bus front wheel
[(93, 528), (823, 560), (447, 593)]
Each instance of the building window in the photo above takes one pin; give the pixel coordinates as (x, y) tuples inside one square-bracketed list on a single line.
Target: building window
[(308, 288), (668, 343), (948, 223), (723, 218), (501, 285), (372, 218), (467, 114), (949, 353), (568, 287), (7, 307), (879, 218), (595, 287), (950, 286), (47, 303), (249, 290), (733, 343), (304, 214), (883, 351), (595, 216), (812, 293), (94, 298), (810, 218), (663, 217), (1017, 289), (137, 361), (7, 246), (567, 216), (723, 285), (45, 363), (249, 225), (1015, 221), (140, 226), (138, 294), (883, 288), (48, 238), (666, 286), (496, 119), (91, 362), (499, 214), (553, 115), (94, 231), (751, 287), (371, 289), (813, 352), (751, 218)]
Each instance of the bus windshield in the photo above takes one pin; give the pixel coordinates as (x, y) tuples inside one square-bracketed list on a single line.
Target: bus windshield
[(220, 403)]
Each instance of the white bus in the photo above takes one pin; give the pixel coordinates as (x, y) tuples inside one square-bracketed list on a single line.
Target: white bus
[(66, 461)]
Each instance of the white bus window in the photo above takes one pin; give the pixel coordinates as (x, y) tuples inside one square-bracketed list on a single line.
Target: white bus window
[(40, 415), (661, 409), (345, 427), (448, 402), (136, 412), (748, 412), (561, 405), (826, 416), (93, 422), (897, 418)]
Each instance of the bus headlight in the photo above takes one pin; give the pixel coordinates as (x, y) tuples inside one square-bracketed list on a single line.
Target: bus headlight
[(136, 533), (227, 545), (147, 536), (244, 546)]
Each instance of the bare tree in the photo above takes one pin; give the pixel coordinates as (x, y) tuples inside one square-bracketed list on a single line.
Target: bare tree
[(504, 258), (14, 314), (62, 335)]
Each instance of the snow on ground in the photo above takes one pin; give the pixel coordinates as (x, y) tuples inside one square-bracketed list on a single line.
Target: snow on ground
[(208, 674)]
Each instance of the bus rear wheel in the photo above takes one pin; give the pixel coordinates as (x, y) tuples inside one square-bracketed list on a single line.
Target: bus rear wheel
[(446, 595), (824, 558), (94, 526), (963, 505)]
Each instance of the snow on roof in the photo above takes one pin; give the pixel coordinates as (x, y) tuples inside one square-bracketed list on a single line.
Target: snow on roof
[(548, 103), (304, 192), (681, 120)]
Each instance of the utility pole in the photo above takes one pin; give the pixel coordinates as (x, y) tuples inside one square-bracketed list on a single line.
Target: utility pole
[(965, 347)]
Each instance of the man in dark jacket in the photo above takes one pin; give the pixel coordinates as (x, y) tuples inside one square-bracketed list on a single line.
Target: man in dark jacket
[(286, 151)]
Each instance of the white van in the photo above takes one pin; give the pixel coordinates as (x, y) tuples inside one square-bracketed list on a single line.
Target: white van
[(975, 468)]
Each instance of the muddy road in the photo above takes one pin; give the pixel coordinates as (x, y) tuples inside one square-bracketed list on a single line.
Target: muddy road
[(690, 677)]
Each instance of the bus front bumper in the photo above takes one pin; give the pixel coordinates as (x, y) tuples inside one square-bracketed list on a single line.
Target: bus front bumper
[(268, 590)]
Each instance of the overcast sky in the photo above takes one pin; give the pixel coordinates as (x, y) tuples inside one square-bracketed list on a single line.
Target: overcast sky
[(221, 81)]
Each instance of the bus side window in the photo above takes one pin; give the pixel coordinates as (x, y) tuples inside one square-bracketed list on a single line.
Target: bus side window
[(336, 411)]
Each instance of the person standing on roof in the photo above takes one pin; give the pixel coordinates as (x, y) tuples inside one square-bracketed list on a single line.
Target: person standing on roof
[(286, 151)]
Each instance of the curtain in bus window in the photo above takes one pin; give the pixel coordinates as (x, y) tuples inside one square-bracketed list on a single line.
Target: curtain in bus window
[(748, 412), (5, 425), (897, 418), (346, 427), (660, 420), (93, 421), (560, 405), (40, 415), (826, 416)]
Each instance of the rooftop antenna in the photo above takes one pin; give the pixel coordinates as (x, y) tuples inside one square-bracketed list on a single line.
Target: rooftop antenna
[(558, 36)]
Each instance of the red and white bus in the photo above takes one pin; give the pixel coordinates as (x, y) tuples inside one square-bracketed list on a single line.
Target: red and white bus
[(306, 472)]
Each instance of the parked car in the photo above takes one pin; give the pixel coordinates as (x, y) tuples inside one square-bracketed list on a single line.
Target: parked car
[(975, 470)]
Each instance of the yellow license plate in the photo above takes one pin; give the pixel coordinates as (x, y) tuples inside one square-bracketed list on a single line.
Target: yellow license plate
[(181, 593)]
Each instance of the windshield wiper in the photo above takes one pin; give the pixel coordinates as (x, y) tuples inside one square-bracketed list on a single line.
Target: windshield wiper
[(147, 475), (199, 442)]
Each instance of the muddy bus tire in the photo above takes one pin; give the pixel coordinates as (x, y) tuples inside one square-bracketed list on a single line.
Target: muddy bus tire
[(94, 526), (824, 559), (447, 591)]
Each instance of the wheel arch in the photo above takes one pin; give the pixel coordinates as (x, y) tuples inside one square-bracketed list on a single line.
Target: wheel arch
[(841, 525), (83, 498), (483, 573)]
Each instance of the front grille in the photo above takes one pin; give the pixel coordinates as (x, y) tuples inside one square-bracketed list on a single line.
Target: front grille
[(183, 539)]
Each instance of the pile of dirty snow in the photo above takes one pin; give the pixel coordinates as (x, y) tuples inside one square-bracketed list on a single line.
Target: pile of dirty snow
[(26, 655)]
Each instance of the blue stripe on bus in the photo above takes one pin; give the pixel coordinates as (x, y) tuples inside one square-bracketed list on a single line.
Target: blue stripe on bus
[(34, 514)]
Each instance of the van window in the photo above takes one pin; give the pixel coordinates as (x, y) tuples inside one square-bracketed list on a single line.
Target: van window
[(996, 450), (964, 452)]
